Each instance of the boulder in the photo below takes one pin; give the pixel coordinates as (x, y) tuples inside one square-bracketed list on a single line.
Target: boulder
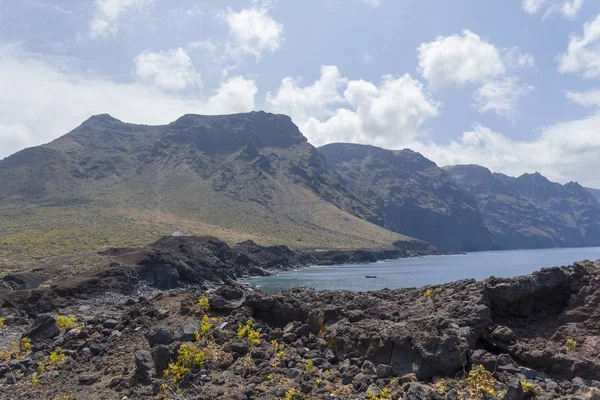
[(186, 332), (43, 328), (161, 355), (144, 367), (159, 336)]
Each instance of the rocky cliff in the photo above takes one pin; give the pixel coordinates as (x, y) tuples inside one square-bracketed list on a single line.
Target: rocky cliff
[(413, 195), (530, 211)]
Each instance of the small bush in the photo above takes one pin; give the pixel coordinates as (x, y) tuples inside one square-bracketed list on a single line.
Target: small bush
[(206, 325), (204, 303), (384, 394), (289, 395), (429, 294), (309, 366), (56, 358), (571, 345), (480, 381), (2, 323), (249, 332), (64, 322), (189, 357), (529, 387), (25, 346)]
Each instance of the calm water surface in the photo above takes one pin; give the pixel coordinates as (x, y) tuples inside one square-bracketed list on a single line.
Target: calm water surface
[(430, 270)]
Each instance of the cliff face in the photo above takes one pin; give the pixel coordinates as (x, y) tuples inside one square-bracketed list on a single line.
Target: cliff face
[(412, 195), (530, 211)]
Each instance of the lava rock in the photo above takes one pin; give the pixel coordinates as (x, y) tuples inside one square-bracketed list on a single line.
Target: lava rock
[(384, 371), (186, 332), (144, 365), (161, 355), (159, 336), (44, 327)]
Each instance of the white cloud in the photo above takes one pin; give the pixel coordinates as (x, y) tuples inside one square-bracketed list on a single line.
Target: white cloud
[(40, 100), (314, 100), (373, 3), (586, 99), (583, 52), (169, 70), (563, 152), (109, 12), (568, 8), (532, 6), (458, 60), (252, 31), (468, 59), (500, 96), (389, 114)]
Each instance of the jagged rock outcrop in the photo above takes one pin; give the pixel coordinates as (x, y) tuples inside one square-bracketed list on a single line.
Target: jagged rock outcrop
[(413, 196), (530, 211)]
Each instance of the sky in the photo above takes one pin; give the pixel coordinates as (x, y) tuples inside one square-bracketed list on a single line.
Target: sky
[(513, 85)]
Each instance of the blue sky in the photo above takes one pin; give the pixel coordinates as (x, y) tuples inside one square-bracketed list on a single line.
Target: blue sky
[(511, 84)]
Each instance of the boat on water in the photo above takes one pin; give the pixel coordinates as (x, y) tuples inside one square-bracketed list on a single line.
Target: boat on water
[(370, 276)]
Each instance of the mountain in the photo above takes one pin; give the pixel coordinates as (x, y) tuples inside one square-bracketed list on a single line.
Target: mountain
[(530, 211), (594, 192), (414, 196), (237, 177)]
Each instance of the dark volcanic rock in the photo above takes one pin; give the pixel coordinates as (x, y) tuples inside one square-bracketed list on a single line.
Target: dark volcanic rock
[(144, 366), (44, 327), (414, 196), (159, 336), (530, 211)]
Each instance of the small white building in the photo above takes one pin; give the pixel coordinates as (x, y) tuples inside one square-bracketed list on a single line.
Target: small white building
[(177, 234)]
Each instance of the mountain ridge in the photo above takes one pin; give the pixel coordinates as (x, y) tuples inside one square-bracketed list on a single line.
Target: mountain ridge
[(238, 177), (530, 211), (413, 195)]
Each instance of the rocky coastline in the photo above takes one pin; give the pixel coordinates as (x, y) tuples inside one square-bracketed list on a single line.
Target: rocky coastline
[(176, 306)]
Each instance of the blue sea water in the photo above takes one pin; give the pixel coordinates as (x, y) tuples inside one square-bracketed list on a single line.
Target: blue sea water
[(430, 270)]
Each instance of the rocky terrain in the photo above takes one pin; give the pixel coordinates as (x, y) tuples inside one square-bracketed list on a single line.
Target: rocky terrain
[(116, 336), (413, 195), (530, 211)]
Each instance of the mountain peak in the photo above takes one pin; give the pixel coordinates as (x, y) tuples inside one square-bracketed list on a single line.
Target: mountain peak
[(229, 133), (101, 118)]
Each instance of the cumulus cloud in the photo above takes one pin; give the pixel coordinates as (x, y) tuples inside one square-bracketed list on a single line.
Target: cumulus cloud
[(468, 59), (389, 114), (169, 70), (501, 96), (459, 59), (567, 8), (583, 53), (252, 31), (109, 12), (40, 100)]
